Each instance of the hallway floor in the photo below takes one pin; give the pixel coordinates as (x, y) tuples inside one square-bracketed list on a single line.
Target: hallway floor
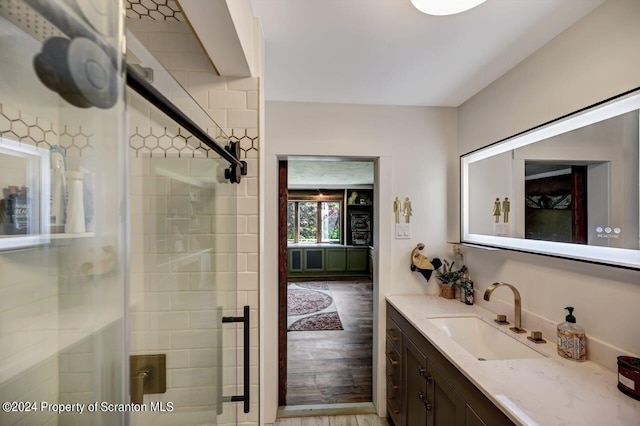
[(330, 367), (358, 420)]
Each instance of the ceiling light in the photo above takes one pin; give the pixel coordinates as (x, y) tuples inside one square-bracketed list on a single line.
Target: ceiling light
[(445, 7)]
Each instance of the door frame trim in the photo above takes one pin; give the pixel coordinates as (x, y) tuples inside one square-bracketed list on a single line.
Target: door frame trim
[(283, 190)]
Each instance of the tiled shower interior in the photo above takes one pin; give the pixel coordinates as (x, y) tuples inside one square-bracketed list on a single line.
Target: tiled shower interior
[(156, 144), (183, 264)]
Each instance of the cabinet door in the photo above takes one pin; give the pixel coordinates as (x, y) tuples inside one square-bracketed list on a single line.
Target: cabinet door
[(357, 259), (447, 406), (295, 260), (335, 259), (415, 403), (472, 419), (314, 260)]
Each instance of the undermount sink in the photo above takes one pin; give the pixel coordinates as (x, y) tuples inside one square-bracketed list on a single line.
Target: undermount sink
[(482, 340)]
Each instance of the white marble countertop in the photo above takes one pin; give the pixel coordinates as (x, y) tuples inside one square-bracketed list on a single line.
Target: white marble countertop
[(542, 391)]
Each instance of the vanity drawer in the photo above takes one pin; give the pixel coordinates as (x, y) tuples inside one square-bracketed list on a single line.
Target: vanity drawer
[(393, 350), (394, 363), (394, 371), (394, 334), (394, 383), (394, 409)]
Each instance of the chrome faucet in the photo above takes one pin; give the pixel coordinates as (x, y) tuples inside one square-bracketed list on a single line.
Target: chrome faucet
[(517, 305)]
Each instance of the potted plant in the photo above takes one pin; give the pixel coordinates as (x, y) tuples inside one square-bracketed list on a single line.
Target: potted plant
[(449, 278)]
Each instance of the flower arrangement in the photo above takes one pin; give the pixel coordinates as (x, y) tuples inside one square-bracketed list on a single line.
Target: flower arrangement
[(447, 275)]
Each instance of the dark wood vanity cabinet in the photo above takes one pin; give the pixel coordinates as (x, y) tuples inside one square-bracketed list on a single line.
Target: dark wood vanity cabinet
[(429, 398), (430, 390), (415, 389), (394, 372)]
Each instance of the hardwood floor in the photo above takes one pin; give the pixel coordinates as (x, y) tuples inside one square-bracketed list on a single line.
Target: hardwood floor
[(331, 367), (359, 420)]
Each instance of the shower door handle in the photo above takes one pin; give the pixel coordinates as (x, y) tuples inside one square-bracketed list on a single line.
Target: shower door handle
[(246, 324)]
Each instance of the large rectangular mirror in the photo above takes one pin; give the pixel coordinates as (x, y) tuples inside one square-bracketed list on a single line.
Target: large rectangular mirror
[(568, 188)]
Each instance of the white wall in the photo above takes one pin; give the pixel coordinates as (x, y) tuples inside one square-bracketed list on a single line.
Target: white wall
[(415, 150), (595, 59)]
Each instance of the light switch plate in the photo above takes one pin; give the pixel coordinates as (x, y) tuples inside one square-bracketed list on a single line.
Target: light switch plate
[(403, 231)]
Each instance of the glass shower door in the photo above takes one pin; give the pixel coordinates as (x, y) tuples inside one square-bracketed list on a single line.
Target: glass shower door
[(183, 268), (62, 214)]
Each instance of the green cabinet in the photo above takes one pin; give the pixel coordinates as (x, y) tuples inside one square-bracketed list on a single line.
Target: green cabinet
[(357, 259), (432, 391), (313, 260), (321, 261), (295, 259), (335, 259)]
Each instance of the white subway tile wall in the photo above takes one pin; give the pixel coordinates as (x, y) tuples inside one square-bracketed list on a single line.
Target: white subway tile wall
[(233, 104), (183, 276)]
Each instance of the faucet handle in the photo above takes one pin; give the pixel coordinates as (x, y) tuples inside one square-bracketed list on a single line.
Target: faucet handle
[(536, 336), (501, 319)]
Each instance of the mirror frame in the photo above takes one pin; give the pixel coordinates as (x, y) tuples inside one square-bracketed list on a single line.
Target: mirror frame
[(618, 257)]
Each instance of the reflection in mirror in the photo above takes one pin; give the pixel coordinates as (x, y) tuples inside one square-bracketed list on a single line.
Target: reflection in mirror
[(554, 207), (570, 188)]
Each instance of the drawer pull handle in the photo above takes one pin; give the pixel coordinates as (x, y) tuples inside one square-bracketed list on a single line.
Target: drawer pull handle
[(393, 334), (390, 381), (393, 410), (423, 399), (391, 360)]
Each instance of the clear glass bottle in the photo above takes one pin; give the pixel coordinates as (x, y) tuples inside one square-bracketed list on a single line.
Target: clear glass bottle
[(572, 341)]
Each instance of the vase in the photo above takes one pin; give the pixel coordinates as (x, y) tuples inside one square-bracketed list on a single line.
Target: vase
[(447, 292)]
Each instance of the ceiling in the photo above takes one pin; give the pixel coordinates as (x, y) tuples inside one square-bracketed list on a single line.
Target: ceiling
[(328, 173), (387, 52)]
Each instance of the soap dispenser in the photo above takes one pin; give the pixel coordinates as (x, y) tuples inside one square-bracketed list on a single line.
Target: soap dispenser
[(572, 341)]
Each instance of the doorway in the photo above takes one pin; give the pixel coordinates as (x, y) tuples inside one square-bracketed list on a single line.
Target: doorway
[(556, 202), (327, 241)]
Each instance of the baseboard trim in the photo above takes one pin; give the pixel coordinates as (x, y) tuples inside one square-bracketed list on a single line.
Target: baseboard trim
[(326, 410)]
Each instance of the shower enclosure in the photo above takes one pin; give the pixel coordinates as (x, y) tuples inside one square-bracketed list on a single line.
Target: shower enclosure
[(183, 251), (62, 282), (117, 231)]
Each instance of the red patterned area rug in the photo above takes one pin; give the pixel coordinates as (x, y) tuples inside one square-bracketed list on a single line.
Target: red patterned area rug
[(310, 307)]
